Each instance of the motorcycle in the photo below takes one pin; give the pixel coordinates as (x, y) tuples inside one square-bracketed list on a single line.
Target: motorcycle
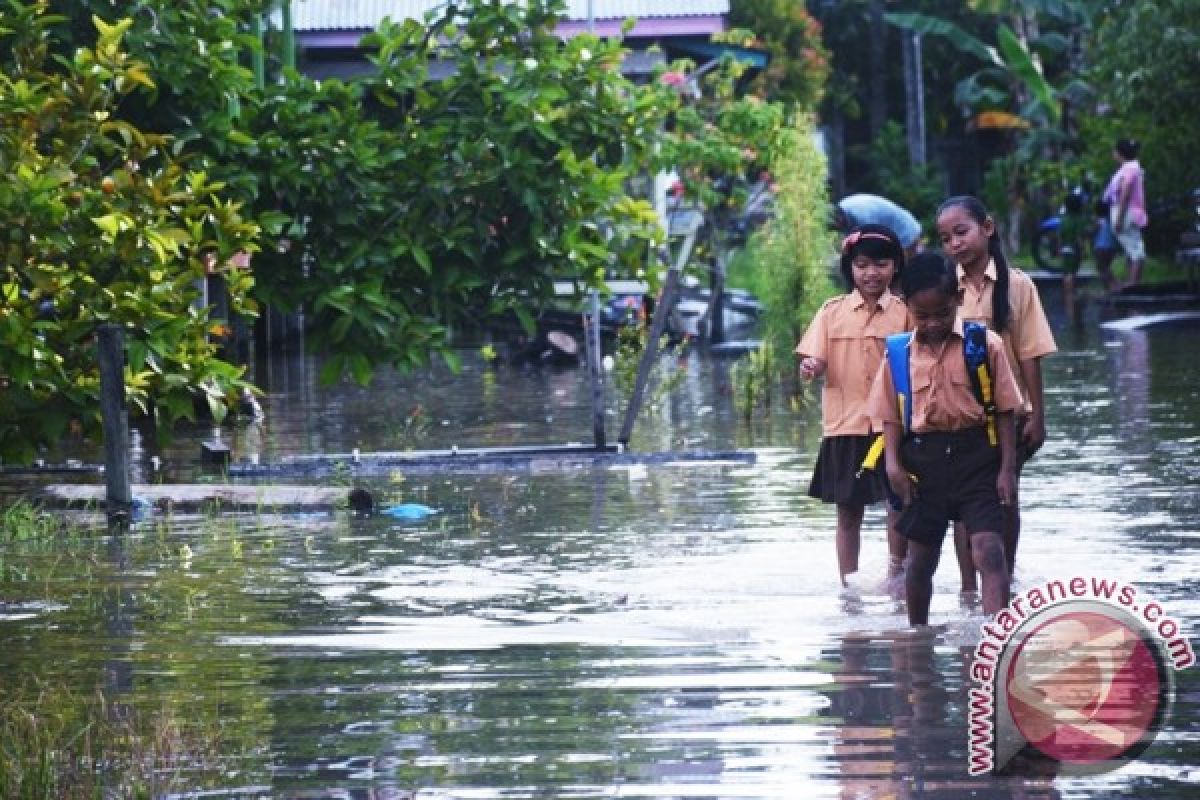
[(1047, 248)]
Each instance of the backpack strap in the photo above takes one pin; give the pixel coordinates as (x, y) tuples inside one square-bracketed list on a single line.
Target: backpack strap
[(897, 356), (979, 370)]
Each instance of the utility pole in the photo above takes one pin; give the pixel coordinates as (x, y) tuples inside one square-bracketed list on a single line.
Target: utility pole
[(289, 36), (914, 98)]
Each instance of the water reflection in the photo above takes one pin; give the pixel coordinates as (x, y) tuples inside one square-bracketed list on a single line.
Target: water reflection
[(898, 711), (666, 632)]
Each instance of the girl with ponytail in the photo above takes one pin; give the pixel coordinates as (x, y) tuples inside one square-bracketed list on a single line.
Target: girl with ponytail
[(1004, 298)]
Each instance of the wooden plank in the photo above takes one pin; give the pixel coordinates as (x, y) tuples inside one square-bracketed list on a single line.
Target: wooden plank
[(196, 496)]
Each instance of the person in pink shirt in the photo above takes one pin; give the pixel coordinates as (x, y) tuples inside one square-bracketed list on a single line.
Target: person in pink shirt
[(1126, 198)]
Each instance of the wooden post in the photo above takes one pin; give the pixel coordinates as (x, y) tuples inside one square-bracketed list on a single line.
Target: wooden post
[(716, 301), (110, 355), (591, 334), (649, 354), (657, 326)]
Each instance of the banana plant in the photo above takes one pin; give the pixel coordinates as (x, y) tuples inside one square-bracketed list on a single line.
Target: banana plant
[(1009, 62)]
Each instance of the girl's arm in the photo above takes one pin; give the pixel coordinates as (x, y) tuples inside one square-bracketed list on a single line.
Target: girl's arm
[(814, 346), (1006, 480), (1033, 435), (897, 476)]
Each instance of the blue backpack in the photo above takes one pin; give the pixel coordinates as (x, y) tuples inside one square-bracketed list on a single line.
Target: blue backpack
[(975, 355)]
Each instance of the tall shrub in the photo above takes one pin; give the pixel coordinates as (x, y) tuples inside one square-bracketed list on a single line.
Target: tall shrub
[(789, 258)]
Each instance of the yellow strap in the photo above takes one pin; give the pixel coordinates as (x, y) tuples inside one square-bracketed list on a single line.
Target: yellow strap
[(875, 452), (871, 459), (985, 386)]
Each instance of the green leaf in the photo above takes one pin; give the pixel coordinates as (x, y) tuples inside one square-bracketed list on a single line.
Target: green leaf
[(422, 258), (216, 407), (361, 369), (110, 224), (923, 24), (331, 370), (528, 324), (1022, 65)]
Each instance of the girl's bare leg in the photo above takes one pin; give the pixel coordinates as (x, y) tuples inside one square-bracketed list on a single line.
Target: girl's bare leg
[(897, 553), (849, 528)]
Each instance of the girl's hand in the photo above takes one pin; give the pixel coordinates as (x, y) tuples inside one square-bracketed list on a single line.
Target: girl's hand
[(1033, 435), (1006, 487), (811, 368), (902, 485)]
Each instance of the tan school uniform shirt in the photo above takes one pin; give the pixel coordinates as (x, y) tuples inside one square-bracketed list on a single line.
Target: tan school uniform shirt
[(942, 397), (850, 338), (1027, 335)]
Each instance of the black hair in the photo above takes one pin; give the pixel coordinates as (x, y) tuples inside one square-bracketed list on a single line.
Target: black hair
[(1128, 148), (929, 269), (361, 502), (872, 241), (979, 213)]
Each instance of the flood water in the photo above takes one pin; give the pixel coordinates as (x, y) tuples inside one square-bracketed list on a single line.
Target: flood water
[(643, 632)]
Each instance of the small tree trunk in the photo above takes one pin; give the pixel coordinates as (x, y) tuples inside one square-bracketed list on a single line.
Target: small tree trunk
[(914, 98), (877, 81)]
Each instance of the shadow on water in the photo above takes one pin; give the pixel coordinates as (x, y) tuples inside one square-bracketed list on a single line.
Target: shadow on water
[(674, 632)]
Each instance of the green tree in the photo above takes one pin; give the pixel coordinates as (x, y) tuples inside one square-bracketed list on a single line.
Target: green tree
[(799, 66), (1007, 73), (106, 223), (485, 185), (1144, 62)]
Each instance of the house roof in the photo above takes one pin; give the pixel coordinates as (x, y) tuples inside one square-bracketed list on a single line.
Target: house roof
[(363, 15)]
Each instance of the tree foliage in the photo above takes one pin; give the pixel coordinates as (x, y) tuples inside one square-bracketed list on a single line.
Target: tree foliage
[(107, 223), (1151, 99), (792, 252), (799, 65), (483, 159)]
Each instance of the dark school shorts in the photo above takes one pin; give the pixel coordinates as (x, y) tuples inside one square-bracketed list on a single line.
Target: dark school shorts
[(956, 480), (835, 477)]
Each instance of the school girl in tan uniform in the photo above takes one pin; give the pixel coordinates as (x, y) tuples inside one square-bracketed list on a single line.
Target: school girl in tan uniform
[(1004, 299), (845, 343)]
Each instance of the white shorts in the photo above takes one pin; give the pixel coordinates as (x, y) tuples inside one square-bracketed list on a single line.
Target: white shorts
[(1130, 238)]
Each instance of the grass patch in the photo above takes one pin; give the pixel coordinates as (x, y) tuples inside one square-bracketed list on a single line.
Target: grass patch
[(56, 744)]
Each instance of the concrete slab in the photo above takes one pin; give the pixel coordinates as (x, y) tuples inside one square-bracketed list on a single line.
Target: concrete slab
[(198, 496)]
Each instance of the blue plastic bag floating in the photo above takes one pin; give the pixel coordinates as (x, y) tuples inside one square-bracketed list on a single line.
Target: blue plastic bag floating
[(140, 508), (409, 511)]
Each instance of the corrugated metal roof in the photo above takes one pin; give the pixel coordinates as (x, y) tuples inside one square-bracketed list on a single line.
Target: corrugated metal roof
[(318, 15)]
